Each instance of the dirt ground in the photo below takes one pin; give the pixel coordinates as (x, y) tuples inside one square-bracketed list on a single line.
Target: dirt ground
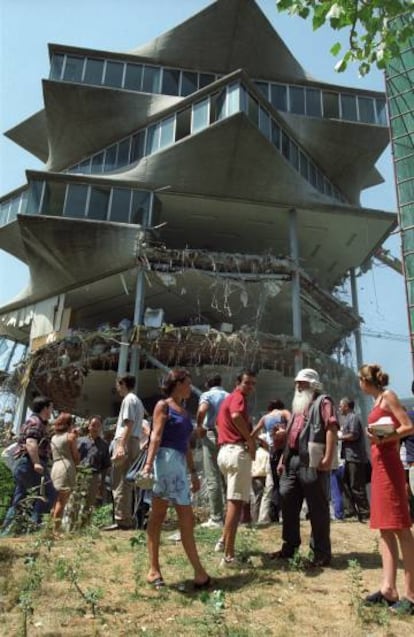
[(94, 584)]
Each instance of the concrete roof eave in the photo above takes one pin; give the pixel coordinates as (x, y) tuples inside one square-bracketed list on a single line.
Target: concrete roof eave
[(31, 134)]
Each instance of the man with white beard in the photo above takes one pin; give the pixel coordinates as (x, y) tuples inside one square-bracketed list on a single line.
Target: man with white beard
[(304, 468)]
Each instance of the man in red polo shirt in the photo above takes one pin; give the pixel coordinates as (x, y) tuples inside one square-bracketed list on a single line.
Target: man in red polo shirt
[(237, 450)]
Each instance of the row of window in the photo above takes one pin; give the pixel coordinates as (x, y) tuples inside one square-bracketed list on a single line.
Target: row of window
[(313, 102), (10, 208), (145, 78), (198, 116), (79, 201)]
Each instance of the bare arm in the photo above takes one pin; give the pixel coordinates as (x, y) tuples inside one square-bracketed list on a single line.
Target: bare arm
[(200, 417), (32, 448), (158, 422), (243, 428), (73, 444), (258, 427), (405, 428), (122, 442)]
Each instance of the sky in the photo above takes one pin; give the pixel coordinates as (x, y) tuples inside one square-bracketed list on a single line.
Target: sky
[(26, 28)]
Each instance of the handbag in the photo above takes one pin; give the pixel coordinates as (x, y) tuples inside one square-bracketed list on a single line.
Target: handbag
[(8, 455), (134, 473)]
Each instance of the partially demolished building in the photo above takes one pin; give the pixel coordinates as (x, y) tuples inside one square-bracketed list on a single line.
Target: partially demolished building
[(198, 206)]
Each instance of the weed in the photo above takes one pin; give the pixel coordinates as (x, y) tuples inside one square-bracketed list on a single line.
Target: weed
[(297, 563), (365, 614)]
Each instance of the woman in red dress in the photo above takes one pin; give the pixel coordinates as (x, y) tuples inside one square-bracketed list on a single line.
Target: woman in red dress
[(389, 504)]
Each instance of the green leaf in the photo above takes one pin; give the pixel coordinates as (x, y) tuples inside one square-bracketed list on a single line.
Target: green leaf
[(336, 48)]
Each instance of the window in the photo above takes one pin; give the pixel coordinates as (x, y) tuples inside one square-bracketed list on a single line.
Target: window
[(170, 82), (204, 79), (381, 112), (93, 71), (263, 88), (303, 165), (153, 139), (278, 96), (4, 212), (366, 109), (54, 199), (264, 122), (285, 145), (294, 154), (275, 135), (221, 105), (297, 100), (140, 206), (14, 209), (200, 115), (121, 199), (133, 77), (253, 109), (123, 152), (113, 74), (84, 166), (233, 99), (98, 162), (167, 132), (35, 197), (312, 174), (75, 204), (56, 66), (151, 79), (98, 203), (349, 107), (188, 83), (183, 124), (138, 146), (319, 180), (110, 158), (313, 102), (73, 69), (330, 105)]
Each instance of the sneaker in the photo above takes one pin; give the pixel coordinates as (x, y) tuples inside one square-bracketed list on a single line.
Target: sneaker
[(174, 537), (219, 547), (211, 524)]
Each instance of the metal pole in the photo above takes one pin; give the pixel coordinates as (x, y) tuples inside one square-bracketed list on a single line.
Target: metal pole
[(296, 306), (358, 342)]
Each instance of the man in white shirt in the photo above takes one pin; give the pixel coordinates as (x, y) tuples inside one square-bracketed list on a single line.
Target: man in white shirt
[(126, 447)]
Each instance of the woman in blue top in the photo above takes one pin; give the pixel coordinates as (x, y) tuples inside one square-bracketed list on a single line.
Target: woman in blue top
[(171, 459)]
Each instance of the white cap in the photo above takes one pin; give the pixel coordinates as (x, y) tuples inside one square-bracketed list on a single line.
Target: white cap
[(309, 376)]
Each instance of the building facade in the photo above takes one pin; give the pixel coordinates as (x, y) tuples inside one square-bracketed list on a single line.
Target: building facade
[(199, 205)]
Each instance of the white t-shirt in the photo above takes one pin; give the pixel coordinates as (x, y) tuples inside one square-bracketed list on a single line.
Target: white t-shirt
[(131, 409)]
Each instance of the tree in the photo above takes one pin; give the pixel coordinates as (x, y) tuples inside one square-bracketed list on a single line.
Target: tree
[(375, 36)]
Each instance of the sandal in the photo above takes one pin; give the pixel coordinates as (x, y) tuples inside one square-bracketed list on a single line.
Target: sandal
[(403, 606), (156, 583), (379, 598)]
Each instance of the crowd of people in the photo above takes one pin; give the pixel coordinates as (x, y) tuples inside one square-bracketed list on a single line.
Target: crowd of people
[(313, 461)]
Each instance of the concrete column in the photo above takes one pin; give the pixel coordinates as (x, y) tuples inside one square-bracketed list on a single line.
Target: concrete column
[(296, 306), (358, 341)]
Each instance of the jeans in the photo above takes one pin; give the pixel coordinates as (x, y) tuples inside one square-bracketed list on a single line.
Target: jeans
[(26, 479), (214, 480), (337, 486)]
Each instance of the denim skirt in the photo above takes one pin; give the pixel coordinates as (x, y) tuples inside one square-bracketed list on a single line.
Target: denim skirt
[(171, 479)]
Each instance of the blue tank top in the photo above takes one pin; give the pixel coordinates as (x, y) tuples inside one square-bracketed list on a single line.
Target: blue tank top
[(177, 431), (271, 422)]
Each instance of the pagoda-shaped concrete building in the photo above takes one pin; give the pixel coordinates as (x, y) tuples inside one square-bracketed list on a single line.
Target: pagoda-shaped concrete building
[(199, 204)]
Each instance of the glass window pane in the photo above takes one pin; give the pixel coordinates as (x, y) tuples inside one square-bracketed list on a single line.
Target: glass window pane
[(153, 139), (313, 102), (98, 203), (221, 105), (34, 198), (167, 132), (170, 82), (278, 96), (200, 115), (75, 205), (319, 181), (285, 145), (233, 99), (381, 112), (204, 79), (297, 100), (263, 88), (294, 154), (407, 216), (123, 152), (14, 208), (275, 135), (4, 212), (138, 146), (330, 105), (73, 69), (312, 174), (327, 187), (54, 199), (133, 77), (264, 122), (406, 192), (188, 83), (110, 158), (151, 79), (121, 198), (366, 109), (183, 124), (303, 165), (56, 66), (349, 108), (404, 167), (140, 206), (98, 162), (93, 71), (253, 110), (113, 74), (84, 166)]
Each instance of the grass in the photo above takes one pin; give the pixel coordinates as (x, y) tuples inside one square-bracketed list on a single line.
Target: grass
[(93, 584)]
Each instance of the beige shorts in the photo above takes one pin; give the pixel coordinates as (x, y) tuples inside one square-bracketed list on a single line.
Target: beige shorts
[(235, 464)]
